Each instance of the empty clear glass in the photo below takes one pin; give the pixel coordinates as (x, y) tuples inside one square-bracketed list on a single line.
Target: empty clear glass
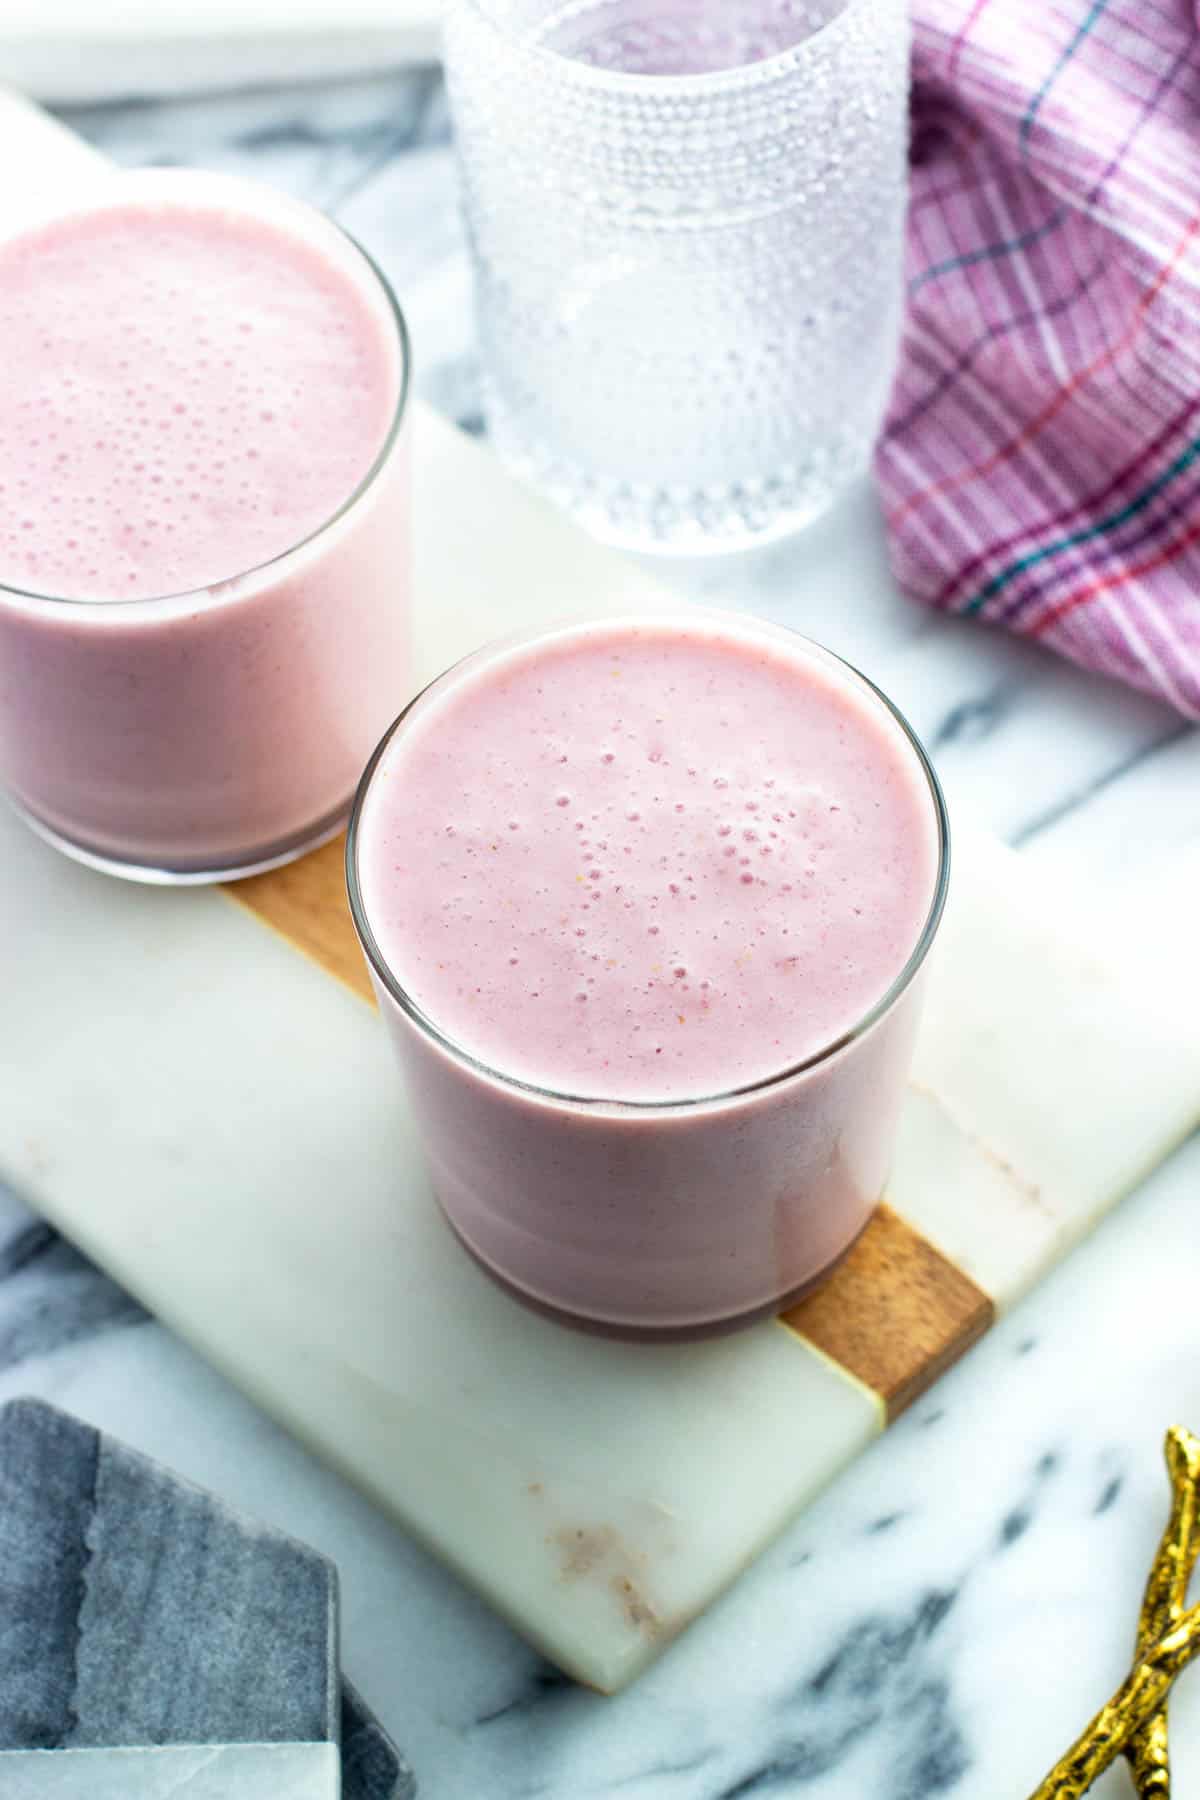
[(686, 218)]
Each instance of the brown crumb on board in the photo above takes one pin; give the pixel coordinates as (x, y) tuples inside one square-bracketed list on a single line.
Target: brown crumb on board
[(584, 1548), (600, 1552), (637, 1609)]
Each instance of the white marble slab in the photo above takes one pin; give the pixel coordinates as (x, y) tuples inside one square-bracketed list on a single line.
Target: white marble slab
[(1029, 1490), (71, 50), (183, 1772)]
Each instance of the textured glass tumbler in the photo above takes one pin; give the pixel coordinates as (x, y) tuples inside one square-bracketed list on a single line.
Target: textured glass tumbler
[(686, 219)]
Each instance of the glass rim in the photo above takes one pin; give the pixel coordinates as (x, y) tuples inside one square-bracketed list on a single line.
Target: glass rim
[(96, 201), (599, 1102), (738, 75)]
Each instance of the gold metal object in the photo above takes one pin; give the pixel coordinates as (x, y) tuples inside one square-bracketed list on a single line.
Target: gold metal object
[(1136, 1702), (1163, 1605), (1134, 1722)]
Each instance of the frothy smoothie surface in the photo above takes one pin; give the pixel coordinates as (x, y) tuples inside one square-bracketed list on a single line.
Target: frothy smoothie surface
[(648, 863), (188, 392)]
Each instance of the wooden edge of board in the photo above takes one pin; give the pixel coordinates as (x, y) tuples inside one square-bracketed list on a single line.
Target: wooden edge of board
[(895, 1313), (305, 902)]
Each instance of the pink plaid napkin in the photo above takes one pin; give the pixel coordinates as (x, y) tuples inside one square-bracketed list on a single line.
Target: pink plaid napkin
[(1040, 466)]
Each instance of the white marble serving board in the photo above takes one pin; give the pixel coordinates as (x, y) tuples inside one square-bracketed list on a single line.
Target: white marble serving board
[(217, 1122)]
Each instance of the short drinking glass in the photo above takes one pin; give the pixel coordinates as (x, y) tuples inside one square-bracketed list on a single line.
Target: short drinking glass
[(686, 220), (646, 903)]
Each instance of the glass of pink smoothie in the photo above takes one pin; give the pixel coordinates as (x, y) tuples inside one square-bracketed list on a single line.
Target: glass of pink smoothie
[(204, 525), (645, 904)]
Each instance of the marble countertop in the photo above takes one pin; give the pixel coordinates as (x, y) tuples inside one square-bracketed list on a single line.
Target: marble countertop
[(949, 1614)]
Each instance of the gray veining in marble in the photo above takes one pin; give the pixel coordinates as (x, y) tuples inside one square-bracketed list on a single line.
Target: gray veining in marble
[(52, 1294)]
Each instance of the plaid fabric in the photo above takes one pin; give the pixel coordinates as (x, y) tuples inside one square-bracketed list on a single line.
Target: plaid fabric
[(1040, 466)]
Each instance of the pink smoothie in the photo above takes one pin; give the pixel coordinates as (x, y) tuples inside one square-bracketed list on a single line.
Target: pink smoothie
[(197, 382), (652, 868)]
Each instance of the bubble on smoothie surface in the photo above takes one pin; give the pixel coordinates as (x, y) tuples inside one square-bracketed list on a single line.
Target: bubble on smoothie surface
[(657, 953), (188, 393)]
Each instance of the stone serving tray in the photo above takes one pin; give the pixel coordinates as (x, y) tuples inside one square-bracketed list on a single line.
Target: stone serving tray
[(155, 1641), (195, 1088)]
